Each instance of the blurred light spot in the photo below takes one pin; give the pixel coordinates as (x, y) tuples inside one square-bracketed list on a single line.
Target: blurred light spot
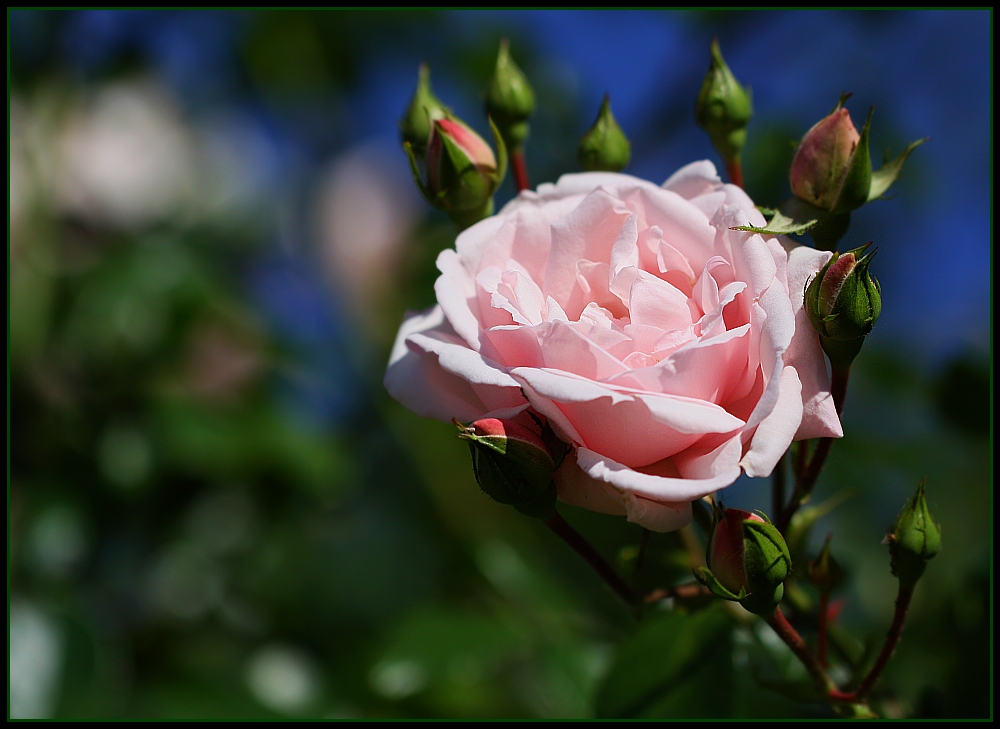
[(221, 362), (56, 541), (36, 654), (365, 207), (125, 457), (283, 679), (126, 158), (503, 567), (397, 679), (184, 583), (220, 522)]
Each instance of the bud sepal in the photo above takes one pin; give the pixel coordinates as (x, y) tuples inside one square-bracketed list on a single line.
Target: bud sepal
[(724, 108), (510, 100), (604, 147), (424, 109), (913, 539)]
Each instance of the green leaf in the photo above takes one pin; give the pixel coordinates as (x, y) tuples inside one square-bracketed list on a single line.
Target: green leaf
[(793, 216), (884, 176), (676, 665)]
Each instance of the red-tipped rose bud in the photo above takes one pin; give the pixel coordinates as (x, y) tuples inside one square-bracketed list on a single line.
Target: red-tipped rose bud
[(748, 561), (832, 169), (513, 464), (462, 171), (843, 303)]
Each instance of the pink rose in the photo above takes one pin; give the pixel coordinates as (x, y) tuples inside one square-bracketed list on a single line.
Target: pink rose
[(669, 350)]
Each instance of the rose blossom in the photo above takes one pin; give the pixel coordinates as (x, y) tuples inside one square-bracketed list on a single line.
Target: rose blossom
[(669, 350)]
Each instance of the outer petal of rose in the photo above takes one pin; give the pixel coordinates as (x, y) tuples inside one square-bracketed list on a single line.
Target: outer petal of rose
[(577, 488), (456, 294), (435, 376), (634, 427), (775, 432), (819, 416), (697, 178), (669, 489)]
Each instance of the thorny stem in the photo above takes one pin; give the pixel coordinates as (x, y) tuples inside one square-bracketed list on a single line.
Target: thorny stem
[(804, 485), (794, 641), (520, 170), (778, 487), (734, 169), (891, 641), (586, 550)]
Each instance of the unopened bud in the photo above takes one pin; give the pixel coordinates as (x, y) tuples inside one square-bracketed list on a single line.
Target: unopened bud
[(462, 172), (843, 303), (604, 148), (824, 572), (748, 561), (510, 99), (513, 465), (913, 539), (832, 167), (724, 108), (424, 109)]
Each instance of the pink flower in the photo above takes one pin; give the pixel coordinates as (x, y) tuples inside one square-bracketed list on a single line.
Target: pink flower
[(668, 350)]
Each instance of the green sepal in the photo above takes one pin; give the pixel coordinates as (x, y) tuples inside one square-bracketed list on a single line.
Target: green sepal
[(463, 185), (541, 507), (705, 577), (424, 190), (858, 181), (886, 175), (792, 216), (501, 154)]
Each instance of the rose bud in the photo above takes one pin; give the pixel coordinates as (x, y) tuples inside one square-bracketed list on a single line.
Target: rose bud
[(462, 172), (824, 572), (510, 99), (424, 109), (604, 148), (913, 539), (724, 108), (832, 168), (513, 465), (748, 561), (843, 303)]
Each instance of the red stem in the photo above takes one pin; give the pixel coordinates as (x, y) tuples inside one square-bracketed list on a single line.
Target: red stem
[(803, 487), (586, 550), (824, 607), (793, 640), (735, 171), (520, 170), (888, 648)]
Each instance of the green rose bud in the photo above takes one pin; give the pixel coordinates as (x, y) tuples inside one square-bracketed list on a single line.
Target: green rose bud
[(824, 572), (604, 148), (913, 539), (424, 109), (510, 99), (724, 108), (843, 303), (748, 561), (462, 172), (514, 464)]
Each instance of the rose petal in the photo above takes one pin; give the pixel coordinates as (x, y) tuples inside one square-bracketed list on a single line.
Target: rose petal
[(775, 432), (648, 482)]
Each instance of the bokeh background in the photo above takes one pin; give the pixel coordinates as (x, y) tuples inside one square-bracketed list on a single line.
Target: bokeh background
[(215, 511)]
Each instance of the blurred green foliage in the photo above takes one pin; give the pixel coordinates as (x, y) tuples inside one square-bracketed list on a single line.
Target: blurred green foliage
[(185, 543)]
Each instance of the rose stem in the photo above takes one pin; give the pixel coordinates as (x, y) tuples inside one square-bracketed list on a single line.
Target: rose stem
[(793, 640), (643, 542), (803, 487), (824, 606), (520, 170), (891, 640), (584, 548), (734, 169), (689, 590), (778, 487)]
